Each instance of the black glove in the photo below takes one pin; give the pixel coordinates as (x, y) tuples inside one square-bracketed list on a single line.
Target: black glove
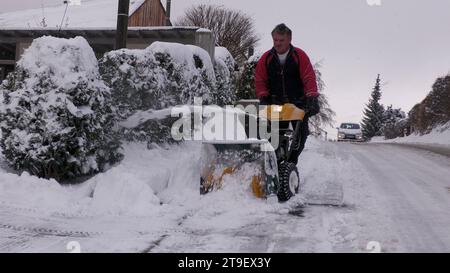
[(264, 100), (312, 106)]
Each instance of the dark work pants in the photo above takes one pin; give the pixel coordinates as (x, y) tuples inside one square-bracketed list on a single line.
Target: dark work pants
[(304, 132)]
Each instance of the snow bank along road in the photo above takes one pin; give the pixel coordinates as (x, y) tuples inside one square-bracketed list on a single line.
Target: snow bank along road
[(396, 199)]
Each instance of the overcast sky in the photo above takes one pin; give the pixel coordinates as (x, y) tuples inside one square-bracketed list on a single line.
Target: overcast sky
[(406, 41)]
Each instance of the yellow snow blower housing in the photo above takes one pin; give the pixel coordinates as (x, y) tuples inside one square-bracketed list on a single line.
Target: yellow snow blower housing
[(286, 112)]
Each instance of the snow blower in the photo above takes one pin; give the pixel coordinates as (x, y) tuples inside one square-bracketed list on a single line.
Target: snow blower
[(276, 175)]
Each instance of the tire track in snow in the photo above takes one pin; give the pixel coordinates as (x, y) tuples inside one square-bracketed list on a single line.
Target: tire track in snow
[(48, 231)]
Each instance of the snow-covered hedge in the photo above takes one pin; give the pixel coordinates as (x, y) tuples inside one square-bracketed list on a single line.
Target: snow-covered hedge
[(246, 81), (160, 76), (192, 71), (55, 111), (225, 76)]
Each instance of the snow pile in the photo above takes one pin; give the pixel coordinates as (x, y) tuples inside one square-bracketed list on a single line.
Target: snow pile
[(55, 113), (28, 190), (143, 181), (146, 180), (123, 194), (439, 135)]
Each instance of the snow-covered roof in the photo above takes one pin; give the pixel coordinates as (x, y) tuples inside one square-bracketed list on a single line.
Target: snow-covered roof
[(91, 13), (135, 5), (102, 38)]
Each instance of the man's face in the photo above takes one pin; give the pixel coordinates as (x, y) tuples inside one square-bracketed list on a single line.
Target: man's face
[(281, 42)]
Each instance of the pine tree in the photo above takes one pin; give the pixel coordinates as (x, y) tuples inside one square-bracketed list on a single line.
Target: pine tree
[(373, 119)]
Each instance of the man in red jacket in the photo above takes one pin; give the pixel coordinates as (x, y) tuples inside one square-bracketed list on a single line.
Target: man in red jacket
[(285, 74)]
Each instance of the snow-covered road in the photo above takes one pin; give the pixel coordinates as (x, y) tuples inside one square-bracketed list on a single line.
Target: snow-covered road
[(397, 198), (412, 188)]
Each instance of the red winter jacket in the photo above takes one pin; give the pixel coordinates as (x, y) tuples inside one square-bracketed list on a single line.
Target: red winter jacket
[(299, 76)]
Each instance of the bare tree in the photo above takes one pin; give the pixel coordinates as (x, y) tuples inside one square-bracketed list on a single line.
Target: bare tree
[(326, 115), (233, 29)]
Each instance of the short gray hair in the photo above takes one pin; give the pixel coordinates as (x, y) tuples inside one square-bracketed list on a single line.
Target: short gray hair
[(282, 29)]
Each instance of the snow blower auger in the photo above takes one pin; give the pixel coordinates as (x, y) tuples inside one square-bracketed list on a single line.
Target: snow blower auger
[(220, 158), (276, 175)]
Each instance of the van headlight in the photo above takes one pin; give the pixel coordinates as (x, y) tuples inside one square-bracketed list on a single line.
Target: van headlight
[(341, 135), (359, 136)]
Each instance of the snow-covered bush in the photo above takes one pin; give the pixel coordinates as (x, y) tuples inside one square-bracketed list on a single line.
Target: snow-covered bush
[(246, 81), (55, 112), (394, 123), (193, 71), (160, 76), (137, 80), (225, 76)]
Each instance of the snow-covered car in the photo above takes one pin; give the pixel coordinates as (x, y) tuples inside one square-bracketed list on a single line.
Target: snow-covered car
[(349, 132)]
